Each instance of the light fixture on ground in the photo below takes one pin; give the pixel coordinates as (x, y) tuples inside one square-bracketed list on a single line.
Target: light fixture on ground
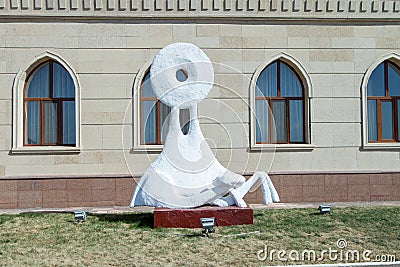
[(208, 225), (324, 209), (80, 216)]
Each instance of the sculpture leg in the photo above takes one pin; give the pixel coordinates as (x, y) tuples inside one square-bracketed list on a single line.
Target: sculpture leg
[(267, 188), (238, 198), (222, 202), (236, 195), (270, 186)]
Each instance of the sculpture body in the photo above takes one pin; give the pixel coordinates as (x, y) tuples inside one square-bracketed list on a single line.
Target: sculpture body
[(186, 174)]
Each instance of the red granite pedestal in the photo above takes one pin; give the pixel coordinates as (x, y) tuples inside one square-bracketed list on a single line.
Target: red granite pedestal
[(190, 218)]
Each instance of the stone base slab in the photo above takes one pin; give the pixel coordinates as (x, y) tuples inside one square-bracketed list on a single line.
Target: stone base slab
[(190, 218)]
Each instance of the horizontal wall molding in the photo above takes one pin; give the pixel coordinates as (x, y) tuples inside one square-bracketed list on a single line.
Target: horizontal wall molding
[(343, 10), (83, 176), (137, 176)]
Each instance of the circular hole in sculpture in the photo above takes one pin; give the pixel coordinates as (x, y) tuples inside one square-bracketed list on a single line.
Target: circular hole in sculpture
[(181, 75)]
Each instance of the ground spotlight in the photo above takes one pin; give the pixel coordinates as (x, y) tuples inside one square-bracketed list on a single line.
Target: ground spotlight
[(208, 225), (324, 209), (80, 216)]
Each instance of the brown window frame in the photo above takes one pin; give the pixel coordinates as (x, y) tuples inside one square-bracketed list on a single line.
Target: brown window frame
[(386, 98), (286, 100), (41, 100)]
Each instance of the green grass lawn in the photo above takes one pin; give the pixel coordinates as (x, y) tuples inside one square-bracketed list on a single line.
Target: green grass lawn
[(129, 240)]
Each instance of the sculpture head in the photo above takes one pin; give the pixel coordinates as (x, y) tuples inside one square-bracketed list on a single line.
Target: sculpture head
[(181, 75)]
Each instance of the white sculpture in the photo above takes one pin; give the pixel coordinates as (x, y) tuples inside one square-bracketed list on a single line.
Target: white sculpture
[(186, 174)]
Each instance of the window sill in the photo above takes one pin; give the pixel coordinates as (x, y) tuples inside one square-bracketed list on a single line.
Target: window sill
[(381, 146), (147, 148), (46, 150), (282, 147)]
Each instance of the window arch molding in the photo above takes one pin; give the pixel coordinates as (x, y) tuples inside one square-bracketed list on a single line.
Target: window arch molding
[(18, 107), (302, 74), (393, 58)]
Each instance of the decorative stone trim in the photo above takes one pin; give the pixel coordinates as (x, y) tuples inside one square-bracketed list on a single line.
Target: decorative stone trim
[(18, 102), (395, 58), (46, 150), (229, 9), (306, 80)]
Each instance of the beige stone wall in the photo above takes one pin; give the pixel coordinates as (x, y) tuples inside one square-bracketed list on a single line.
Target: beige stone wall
[(107, 54)]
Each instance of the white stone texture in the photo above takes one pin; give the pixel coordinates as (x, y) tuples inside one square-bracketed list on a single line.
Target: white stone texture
[(186, 174), (192, 63)]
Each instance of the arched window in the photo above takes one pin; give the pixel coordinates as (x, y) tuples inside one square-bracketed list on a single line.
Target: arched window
[(49, 106), (279, 105), (154, 116), (383, 103)]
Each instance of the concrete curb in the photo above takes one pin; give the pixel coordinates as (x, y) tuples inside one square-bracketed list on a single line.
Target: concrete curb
[(126, 209)]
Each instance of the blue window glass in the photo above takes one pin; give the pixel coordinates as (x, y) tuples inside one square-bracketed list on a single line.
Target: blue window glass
[(289, 83), (38, 84), (63, 85), (372, 121), (148, 121), (267, 82), (387, 120), (50, 122), (32, 123), (393, 80), (398, 120), (279, 114), (146, 89), (376, 82), (262, 112), (69, 136), (296, 121)]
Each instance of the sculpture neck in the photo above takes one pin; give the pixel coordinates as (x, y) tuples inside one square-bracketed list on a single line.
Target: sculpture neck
[(194, 121)]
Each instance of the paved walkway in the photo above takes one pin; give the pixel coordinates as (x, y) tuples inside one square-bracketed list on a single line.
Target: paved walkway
[(126, 209)]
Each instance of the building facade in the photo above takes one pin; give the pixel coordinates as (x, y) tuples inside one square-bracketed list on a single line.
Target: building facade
[(307, 90)]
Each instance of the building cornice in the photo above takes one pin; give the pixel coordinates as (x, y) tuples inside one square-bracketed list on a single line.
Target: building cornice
[(254, 10)]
